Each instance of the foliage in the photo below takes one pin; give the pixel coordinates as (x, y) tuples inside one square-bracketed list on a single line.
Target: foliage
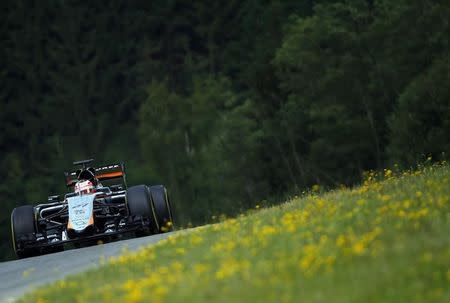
[(421, 123), (389, 234)]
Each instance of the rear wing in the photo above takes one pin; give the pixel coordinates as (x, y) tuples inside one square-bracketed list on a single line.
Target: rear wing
[(102, 173)]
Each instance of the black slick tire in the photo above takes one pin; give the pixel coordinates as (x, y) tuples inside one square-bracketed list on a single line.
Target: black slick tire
[(140, 204), (23, 225), (162, 207)]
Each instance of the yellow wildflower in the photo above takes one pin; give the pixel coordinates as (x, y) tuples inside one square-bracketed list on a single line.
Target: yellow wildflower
[(135, 295)]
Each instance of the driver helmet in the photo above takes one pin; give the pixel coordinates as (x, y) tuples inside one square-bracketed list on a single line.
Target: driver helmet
[(84, 187), (87, 174)]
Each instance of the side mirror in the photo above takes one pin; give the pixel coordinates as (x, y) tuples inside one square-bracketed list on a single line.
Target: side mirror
[(54, 198), (116, 187)]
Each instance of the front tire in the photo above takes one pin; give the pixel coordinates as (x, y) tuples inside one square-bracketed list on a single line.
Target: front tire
[(23, 226), (140, 204), (162, 207)]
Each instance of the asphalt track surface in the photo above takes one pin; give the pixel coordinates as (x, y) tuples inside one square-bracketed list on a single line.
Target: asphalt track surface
[(20, 276)]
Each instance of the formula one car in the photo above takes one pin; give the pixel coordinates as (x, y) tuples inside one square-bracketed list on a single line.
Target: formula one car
[(91, 211)]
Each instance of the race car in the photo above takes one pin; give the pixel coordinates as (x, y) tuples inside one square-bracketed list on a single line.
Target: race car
[(90, 211)]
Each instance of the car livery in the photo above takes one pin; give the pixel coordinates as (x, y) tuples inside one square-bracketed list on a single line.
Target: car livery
[(96, 207)]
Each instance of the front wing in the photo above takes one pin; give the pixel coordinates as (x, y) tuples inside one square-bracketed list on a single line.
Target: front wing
[(41, 240)]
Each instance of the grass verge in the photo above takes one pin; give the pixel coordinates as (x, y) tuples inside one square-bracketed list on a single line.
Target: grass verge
[(385, 241)]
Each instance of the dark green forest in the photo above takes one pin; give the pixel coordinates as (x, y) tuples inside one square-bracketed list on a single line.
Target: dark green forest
[(230, 104)]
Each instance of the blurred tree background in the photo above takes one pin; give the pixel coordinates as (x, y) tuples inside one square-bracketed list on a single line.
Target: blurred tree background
[(227, 103)]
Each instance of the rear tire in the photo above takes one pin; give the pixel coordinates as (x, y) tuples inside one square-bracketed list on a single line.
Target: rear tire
[(23, 224), (140, 204), (162, 207)]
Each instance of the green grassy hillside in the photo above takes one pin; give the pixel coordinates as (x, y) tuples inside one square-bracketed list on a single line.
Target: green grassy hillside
[(385, 241)]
